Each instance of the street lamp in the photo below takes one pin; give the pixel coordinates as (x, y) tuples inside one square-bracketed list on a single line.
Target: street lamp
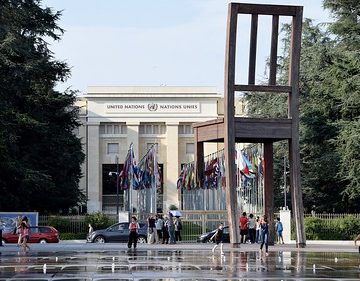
[(117, 185)]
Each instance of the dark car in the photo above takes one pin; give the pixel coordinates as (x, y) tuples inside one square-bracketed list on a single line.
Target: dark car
[(37, 234), (205, 237), (118, 232)]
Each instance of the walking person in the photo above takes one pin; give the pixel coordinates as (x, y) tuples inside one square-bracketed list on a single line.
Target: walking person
[(279, 231), (178, 228), (244, 221), (165, 231), (25, 234), (258, 228), (218, 237), (357, 242), (18, 221), (133, 226), (252, 228), (171, 229), (264, 225), (1, 230), (159, 223), (151, 230)]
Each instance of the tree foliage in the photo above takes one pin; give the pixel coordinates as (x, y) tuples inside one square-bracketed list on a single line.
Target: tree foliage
[(40, 156), (329, 108)]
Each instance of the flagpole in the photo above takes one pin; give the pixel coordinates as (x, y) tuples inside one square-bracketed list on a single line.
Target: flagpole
[(131, 181)]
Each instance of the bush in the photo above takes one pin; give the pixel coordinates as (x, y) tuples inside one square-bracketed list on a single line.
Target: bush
[(73, 236), (338, 229), (61, 224), (98, 220)]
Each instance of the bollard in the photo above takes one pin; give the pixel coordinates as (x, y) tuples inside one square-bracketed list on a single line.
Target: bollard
[(112, 267), (44, 268)]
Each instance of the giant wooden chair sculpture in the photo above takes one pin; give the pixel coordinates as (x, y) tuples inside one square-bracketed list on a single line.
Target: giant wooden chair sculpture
[(231, 129)]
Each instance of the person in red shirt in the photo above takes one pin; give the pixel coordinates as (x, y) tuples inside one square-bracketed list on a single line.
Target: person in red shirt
[(133, 227), (244, 221)]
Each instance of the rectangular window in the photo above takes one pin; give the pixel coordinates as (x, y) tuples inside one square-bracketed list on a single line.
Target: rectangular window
[(116, 129), (186, 129), (109, 129), (112, 129), (152, 129), (149, 145), (102, 129), (190, 148), (112, 148)]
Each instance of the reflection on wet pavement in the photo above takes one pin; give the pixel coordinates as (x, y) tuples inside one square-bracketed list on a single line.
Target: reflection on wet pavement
[(178, 265)]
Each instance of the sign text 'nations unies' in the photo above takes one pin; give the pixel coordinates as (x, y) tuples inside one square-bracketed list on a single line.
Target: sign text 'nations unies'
[(152, 107)]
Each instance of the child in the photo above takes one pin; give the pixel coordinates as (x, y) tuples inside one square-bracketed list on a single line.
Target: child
[(217, 237), (279, 231), (133, 226)]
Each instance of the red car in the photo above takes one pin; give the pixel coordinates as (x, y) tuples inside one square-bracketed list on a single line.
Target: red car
[(38, 234)]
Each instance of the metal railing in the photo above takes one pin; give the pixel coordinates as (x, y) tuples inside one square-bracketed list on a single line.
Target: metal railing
[(194, 222)]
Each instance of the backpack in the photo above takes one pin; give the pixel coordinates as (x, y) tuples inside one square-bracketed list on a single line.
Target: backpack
[(279, 227), (179, 225)]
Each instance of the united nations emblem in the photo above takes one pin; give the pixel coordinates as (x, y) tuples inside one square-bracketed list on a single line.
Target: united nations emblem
[(152, 106)]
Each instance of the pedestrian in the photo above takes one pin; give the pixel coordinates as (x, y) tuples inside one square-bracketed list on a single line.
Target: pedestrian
[(357, 239), (25, 234), (133, 226), (217, 238), (165, 231), (159, 223), (91, 229), (151, 230), (1, 230), (178, 228), (243, 227), (258, 236), (252, 228), (279, 231), (171, 229), (264, 225), (17, 230)]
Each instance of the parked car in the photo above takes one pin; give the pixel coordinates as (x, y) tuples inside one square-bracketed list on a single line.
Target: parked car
[(205, 237), (38, 234), (118, 232)]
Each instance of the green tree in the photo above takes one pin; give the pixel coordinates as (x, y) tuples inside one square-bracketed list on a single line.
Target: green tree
[(345, 84), (325, 187), (40, 156)]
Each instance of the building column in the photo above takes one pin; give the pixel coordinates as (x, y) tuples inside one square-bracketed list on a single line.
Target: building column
[(94, 194), (133, 137), (172, 165)]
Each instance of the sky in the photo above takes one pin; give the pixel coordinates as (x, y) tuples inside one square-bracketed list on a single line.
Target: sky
[(158, 42)]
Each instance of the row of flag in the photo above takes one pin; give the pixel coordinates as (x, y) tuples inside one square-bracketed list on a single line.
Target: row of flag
[(144, 175), (249, 163)]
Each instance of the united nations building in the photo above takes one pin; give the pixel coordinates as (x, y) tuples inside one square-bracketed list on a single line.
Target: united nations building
[(115, 118)]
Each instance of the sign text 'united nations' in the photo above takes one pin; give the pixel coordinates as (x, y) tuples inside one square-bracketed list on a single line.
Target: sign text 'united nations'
[(152, 107)]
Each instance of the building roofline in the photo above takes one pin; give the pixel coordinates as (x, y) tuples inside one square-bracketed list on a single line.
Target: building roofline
[(149, 90)]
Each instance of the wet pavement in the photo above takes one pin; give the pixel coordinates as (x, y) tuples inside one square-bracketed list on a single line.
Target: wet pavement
[(180, 262)]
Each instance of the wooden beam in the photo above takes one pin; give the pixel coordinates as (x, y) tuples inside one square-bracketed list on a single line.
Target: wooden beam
[(261, 9), (246, 130), (229, 136), (274, 48), (269, 188), (294, 147), (252, 51), (262, 88)]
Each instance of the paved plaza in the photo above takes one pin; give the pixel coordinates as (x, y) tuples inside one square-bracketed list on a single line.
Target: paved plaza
[(81, 261)]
